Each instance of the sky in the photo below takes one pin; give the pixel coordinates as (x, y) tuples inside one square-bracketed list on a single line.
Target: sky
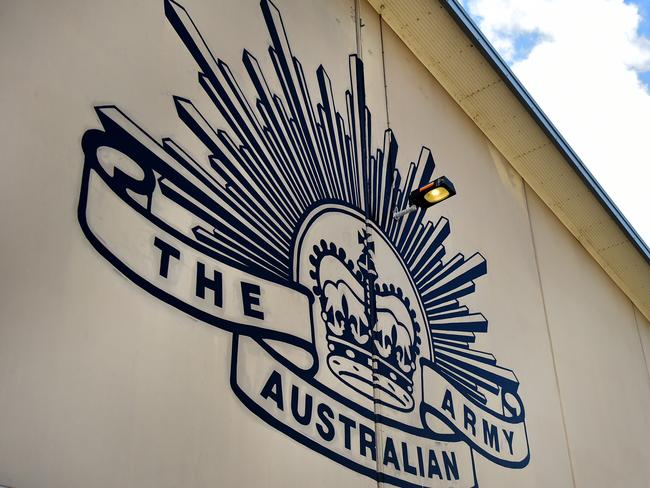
[(587, 64)]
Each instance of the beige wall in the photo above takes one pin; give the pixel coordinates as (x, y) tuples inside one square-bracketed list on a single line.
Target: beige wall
[(496, 223), (599, 356), (102, 385)]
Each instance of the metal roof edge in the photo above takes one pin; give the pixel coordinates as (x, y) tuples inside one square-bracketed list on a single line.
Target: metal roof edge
[(462, 18)]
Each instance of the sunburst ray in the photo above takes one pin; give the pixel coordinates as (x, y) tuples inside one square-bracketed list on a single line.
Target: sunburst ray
[(284, 153)]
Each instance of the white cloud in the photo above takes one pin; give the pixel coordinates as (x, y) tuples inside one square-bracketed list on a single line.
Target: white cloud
[(583, 70)]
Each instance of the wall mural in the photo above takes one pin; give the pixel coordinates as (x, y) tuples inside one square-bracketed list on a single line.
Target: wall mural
[(348, 334)]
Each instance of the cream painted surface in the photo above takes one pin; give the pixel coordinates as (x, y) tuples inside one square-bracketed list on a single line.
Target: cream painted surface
[(103, 385), (373, 63), (488, 215), (442, 46), (643, 326), (603, 376)]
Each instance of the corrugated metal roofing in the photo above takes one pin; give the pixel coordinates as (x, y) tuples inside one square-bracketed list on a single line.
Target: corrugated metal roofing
[(453, 49)]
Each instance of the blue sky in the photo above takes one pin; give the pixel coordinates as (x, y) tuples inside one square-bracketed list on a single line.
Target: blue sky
[(525, 41), (587, 64), (644, 29), (524, 44)]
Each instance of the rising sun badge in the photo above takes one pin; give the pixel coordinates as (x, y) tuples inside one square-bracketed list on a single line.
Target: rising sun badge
[(348, 328)]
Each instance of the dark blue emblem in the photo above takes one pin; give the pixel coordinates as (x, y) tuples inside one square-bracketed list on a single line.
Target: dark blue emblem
[(349, 334)]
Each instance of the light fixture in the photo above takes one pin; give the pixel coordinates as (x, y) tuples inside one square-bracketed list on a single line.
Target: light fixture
[(427, 196)]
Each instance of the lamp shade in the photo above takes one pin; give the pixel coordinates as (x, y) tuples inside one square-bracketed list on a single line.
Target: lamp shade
[(435, 192)]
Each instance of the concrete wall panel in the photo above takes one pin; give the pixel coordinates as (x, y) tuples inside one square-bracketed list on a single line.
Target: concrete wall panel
[(111, 379), (100, 383), (599, 358), (488, 215)]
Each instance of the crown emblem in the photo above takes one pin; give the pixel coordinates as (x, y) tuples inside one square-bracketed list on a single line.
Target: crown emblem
[(372, 334)]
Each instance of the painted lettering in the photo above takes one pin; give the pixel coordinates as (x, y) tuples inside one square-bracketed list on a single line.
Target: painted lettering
[(305, 417), (273, 389), (434, 467), (469, 419), (451, 465), (390, 455), (367, 441), (250, 295), (509, 434), (491, 435), (215, 284), (167, 251), (420, 460), (326, 415), (448, 404), (348, 425), (405, 460)]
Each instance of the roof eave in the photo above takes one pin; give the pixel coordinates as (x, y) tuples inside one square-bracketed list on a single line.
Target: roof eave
[(480, 41), (453, 49)]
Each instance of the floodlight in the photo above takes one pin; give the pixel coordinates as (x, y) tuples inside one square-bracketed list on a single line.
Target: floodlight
[(429, 195)]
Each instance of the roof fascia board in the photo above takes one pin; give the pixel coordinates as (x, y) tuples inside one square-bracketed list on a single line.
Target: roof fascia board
[(453, 49)]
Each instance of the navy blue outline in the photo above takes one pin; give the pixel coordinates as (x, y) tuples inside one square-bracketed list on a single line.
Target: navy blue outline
[(425, 408), (306, 441), (120, 184), (305, 157)]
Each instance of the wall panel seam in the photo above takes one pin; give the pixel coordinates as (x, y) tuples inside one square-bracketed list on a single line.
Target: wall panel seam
[(357, 28), (638, 332), (548, 332), (367, 229), (383, 67)]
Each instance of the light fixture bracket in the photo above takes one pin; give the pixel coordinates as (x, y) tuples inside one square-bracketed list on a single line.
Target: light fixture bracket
[(428, 195)]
